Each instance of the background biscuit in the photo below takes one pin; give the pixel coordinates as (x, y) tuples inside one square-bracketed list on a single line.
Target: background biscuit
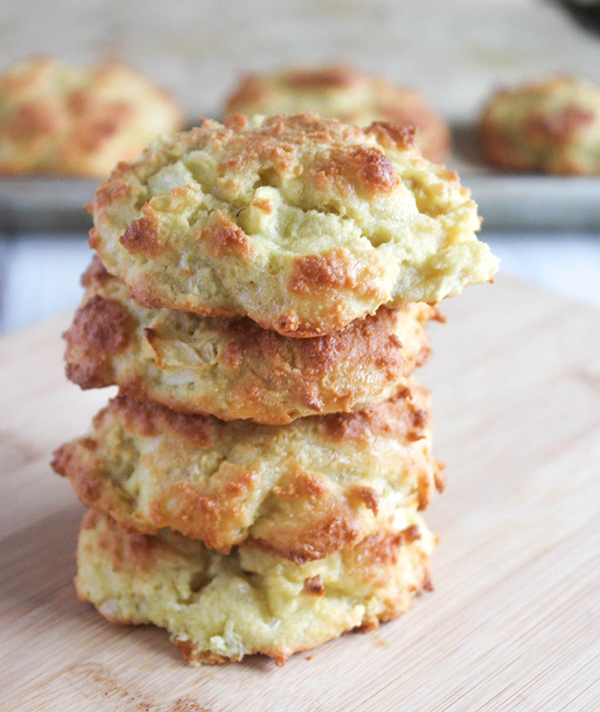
[(344, 93), (68, 120)]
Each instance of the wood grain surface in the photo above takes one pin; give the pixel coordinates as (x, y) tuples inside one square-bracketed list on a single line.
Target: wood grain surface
[(513, 623)]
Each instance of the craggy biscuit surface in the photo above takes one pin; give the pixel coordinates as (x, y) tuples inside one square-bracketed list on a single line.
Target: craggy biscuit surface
[(344, 93), (301, 223), (302, 490), (67, 120), (551, 126), (233, 369), (219, 608)]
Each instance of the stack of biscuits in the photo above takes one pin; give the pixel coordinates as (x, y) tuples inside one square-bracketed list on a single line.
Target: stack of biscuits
[(260, 296)]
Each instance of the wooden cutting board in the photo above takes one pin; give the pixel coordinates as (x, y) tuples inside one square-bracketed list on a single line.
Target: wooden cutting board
[(514, 622)]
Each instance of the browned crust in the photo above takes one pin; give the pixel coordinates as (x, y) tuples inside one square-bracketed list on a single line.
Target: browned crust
[(440, 477), (124, 547), (499, 150), (369, 497), (328, 535), (90, 137), (366, 168), (106, 194), (366, 341), (100, 330), (226, 238), (280, 137), (322, 272), (381, 549), (86, 475), (143, 236), (194, 657), (329, 76), (404, 416), (398, 417), (314, 586), (249, 90), (555, 131), (204, 516), (151, 419), (306, 542), (96, 276), (561, 126)]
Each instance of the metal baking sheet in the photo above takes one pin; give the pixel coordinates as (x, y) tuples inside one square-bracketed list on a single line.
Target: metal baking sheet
[(506, 201), (44, 204), (517, 201)]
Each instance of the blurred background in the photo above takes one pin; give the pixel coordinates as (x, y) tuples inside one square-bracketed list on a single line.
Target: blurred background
[(455, 51)]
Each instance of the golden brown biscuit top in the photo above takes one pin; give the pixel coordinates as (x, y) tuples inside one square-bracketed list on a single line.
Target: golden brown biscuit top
[(321, 152), (301, 223)]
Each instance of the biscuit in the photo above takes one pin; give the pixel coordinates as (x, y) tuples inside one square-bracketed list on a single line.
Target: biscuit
[(302, 490), (301, 223), (220, 608), (233, 369), (60, 119), (551, 126), (345, 93)]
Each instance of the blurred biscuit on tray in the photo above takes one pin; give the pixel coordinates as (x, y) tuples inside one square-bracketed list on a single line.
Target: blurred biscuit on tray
[(60, 119), (345, 93), (550, 126)]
